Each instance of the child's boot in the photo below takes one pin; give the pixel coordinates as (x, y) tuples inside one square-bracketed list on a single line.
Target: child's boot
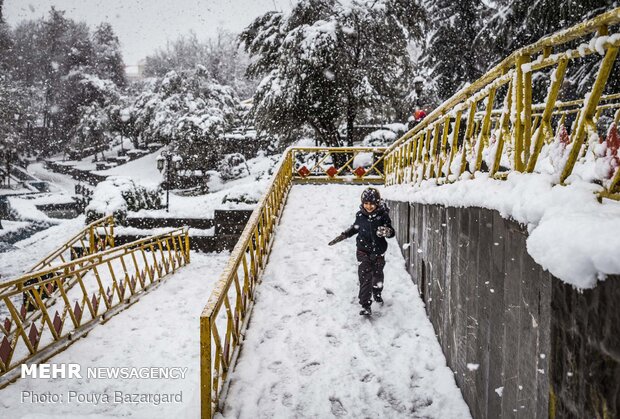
[(366, 311)]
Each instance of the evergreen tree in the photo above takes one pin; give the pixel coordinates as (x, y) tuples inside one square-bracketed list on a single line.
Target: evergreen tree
[(221, 56), (63, 70), (450, 55), (186, 110), (328, 62), (517, 23), (108, 60)]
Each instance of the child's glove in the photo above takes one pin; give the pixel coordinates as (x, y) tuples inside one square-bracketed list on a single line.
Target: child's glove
[(340, 238), (383, 231)]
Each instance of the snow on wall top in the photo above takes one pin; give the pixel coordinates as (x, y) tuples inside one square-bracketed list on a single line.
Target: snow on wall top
[(571, 235)]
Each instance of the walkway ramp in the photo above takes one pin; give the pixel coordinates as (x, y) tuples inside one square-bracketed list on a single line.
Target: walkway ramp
[(308, 353)]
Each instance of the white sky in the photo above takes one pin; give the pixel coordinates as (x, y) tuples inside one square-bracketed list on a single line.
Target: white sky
[(145, 25)]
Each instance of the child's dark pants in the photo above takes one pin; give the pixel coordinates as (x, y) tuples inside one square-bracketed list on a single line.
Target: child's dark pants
[(370, 272)]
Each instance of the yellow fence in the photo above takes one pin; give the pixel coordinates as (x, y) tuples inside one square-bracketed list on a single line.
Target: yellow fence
[(67, 300), (496, 126), (338, 165), (95, 237)]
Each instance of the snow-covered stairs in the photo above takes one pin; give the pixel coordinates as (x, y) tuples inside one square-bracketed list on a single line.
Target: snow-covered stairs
[(308, 353)]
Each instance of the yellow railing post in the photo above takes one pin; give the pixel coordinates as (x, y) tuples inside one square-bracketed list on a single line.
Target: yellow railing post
[(544, 126), (589, 107), (91, 240), (527, 111), (206, 402)]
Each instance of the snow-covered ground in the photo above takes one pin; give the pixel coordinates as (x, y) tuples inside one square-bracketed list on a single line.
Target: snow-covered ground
[(142, 170), (64, 182), (571, 235), (222, 195), (160, 330), (308, 353)]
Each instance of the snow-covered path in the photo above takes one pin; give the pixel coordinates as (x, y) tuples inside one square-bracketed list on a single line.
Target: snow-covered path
[(309, 354)]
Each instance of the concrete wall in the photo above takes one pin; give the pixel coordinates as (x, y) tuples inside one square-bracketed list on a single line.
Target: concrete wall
[(501, 319), (229, 225)]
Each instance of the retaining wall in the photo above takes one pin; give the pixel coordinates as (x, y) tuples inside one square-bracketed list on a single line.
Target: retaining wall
[(522, 343), (228, 227)]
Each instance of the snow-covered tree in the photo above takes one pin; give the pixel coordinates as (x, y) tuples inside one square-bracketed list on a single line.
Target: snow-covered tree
[(221, 56), (187, 110), (108, 60), (450, 55), (93, 129), (326, 62), (122, 118), (13, 112), (52, 57)]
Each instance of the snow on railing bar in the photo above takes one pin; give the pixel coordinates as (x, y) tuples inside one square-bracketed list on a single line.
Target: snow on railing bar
[(495, 125), (108, 281), (225, 317)]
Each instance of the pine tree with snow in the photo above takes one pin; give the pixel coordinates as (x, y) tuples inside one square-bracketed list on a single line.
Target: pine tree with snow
[(108, 61), (450, 53)]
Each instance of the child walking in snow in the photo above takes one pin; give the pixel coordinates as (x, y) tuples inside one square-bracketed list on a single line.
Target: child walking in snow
[(372, 226)]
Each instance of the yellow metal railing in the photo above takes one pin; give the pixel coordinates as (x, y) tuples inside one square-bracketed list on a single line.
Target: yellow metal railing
[(220, 330), (227, 312), (108, 282), (95, 237), (338, 165), (494, 126)]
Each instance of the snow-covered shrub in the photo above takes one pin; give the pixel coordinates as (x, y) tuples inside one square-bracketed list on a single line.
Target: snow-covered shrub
[(379, 138), (118, 195), (233, 166)]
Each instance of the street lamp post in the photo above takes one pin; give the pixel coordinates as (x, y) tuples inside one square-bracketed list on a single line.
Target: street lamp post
[(169, 162)]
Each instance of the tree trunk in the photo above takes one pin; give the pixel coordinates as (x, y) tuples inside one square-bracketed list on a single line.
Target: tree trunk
[(350, 121)]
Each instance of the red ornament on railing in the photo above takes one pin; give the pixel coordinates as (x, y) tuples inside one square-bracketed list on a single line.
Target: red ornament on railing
[(359, 172), (5, 350), (303, 171), (331, 172)]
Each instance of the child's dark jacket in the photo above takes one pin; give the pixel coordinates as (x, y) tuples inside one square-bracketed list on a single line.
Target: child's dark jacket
[(365, 227)]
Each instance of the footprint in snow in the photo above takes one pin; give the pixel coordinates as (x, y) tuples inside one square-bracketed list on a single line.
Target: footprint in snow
[(310, 368), (367, 377), (337, 408), (275, 366), (333, 340)]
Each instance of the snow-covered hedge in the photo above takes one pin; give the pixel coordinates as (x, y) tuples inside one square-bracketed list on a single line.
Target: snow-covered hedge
[(118, 195), (233, 166)]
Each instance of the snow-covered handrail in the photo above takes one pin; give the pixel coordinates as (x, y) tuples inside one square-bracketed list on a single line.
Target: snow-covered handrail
[(108, 282), (494, 125)]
